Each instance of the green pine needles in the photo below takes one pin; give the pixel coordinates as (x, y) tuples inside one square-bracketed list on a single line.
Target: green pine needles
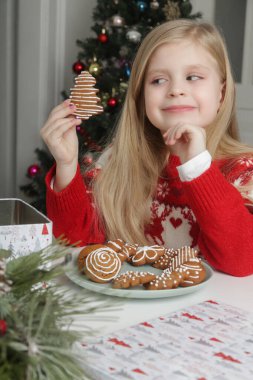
[(36, 316)]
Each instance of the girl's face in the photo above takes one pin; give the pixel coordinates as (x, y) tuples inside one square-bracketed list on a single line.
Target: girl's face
[(182, 85)]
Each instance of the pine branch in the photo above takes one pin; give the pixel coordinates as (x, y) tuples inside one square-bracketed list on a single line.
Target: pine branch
[(40, 334)]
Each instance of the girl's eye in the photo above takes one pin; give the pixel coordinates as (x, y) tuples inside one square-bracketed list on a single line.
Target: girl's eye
[(193, 77), (158, 81)]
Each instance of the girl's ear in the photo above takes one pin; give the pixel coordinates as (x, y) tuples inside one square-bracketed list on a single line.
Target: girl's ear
[(222, 92), (222, 95)]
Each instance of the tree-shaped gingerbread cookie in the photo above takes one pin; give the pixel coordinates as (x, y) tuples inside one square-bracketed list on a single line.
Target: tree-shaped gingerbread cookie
[(83, 95)]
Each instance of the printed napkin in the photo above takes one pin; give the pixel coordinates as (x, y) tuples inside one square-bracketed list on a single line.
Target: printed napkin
[(210, 340)]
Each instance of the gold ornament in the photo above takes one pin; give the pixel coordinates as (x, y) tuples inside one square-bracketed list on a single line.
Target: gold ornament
[(171, 11), (95, 68)]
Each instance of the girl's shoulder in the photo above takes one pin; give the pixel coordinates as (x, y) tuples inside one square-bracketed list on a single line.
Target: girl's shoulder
[(237, 169)]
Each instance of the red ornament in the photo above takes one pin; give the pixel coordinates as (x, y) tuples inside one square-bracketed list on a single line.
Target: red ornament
[(80, 130), (112, 102), (103, 38), (3, 327), (87, 159), (33, 170), (78, 67)]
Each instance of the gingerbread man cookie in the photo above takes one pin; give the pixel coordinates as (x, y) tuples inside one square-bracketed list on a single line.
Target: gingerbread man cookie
[(164, 281), (131, 278)]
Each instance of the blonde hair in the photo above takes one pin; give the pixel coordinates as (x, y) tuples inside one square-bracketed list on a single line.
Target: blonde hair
[(123, 190)]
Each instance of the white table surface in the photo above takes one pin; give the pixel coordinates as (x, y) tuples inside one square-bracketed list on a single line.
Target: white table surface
[(235, 291)]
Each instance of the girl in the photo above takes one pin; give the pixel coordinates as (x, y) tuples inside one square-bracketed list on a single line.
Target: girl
[(176, 173)]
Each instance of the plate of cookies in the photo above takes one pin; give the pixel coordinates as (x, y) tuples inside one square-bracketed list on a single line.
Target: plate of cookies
[(128, 270)]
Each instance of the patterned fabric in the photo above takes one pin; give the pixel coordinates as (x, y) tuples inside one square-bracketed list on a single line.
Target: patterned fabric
[(209, 340), (207, 212)]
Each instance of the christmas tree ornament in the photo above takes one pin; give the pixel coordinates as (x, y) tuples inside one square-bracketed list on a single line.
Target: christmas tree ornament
[(87, 159), (154, 5), (78, 67), (80, 130), (3, 327), (112, 102), (133, 36), (33, 170), (95, 68), (127, 70), (103, 37), (171, 10), (117, 21), (142, 6), (186, 8)]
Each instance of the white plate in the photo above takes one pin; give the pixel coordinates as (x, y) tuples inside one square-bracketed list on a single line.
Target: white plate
[(74, 275)]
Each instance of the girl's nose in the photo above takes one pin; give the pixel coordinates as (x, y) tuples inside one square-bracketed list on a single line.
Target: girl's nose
[(176, 88), (176, 91)]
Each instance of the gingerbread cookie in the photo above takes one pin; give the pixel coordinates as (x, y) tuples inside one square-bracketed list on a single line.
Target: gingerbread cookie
[(124, 250), (116, 245), (102, 265), (189, 273), (164, 281), (164, 261), (81, 259), (147, 255), (192, 271), (128, 251), (180, 256), (83, 95), (131, 278)]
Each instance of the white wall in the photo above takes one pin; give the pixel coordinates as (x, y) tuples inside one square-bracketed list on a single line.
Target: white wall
[(78, 26), (37, 52), (8, 61)]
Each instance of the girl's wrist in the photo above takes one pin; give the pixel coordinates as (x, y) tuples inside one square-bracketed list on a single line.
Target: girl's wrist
[(64, 175)]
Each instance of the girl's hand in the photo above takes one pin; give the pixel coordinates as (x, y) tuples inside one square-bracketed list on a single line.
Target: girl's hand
[(185, 141), (59, 134)]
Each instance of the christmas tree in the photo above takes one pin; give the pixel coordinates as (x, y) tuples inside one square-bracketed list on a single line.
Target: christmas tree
[(119, 27)]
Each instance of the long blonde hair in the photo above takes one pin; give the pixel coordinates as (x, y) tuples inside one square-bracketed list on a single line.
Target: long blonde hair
[(124, 188)]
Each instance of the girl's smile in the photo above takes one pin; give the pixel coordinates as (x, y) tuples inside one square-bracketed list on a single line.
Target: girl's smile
[(182, 85), (179, 108)]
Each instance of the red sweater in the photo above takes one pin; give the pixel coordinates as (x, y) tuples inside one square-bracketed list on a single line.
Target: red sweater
[(207, 212)]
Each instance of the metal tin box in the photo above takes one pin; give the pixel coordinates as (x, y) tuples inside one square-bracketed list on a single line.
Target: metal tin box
[(23, 229)]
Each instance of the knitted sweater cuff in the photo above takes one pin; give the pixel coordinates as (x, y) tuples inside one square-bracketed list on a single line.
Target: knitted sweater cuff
[(69, 198), (209, 190)]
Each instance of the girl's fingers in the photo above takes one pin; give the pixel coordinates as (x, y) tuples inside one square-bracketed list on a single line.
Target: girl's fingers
[(50, 127), (59, 128), (178, 132), (62, 110)]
